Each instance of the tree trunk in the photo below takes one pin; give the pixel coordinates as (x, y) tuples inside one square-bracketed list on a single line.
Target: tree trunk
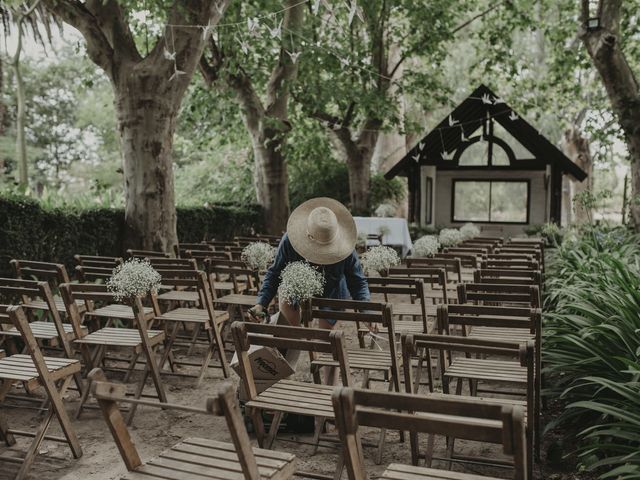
[(622, 88), (21, 143), (576, 147), (147, 124), (271, 178)]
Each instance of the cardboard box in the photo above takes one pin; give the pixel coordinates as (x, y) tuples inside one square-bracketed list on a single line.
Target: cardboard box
[(261, 386), (268, 364)]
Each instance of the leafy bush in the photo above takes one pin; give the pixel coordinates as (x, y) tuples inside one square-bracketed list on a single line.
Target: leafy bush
[(592, 346), (32, 231), (386, 191)]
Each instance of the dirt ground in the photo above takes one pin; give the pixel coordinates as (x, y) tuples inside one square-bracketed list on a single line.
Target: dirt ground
[(155, 430)]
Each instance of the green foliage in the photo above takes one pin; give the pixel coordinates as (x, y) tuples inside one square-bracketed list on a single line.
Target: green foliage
[(31, 230), (386, 191), (592, 347)]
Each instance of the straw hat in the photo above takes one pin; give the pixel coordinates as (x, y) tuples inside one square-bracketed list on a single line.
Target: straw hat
[(322, 231)]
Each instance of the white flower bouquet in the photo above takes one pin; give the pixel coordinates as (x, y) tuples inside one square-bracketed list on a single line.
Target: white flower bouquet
[(361, 240), (134, 278), (426, 246), (383, 230), (379, 259), (385, 210), (450, 237), (299, 281), (469, 231), (258, 256)]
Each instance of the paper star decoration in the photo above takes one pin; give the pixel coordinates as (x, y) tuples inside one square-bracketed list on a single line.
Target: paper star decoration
[(416, 157), (452, 121), (498, 100), (463, 137), (513, 116), (252, 26), (294, 56), (447, 155), (486, 99), (169, 55), (421, 146), (276, 31)]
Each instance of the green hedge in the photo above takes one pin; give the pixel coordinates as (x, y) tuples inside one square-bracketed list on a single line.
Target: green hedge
[(53, 234)]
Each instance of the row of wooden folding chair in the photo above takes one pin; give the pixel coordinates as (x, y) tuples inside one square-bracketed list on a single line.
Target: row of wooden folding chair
[(453, 266), (456, 362), (34, 370), (192, 457)]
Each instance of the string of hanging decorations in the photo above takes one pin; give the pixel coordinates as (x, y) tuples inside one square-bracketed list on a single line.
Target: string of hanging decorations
[(269, 21)]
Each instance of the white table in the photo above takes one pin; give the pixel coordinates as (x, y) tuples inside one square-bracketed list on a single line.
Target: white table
[(398, 235)]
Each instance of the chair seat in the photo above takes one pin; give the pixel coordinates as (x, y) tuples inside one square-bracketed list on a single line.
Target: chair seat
[(237, 299), (192, 315), (21, 368), (487, 369), (121, 337), (179, 296), (60, 306), (43, 331), (209, 459), (296, 397), (397, 471), (123, 312), (360, 359), (516, 335)]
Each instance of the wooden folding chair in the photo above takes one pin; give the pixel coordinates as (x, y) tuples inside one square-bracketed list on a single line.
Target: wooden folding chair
[(49, 334), (55, 274), (468, 261), (435, 281), (204, 319), (289, 396), (180, 249), (230, 276), (139, 340), (475, 250), (98, 261), (490, 245), (447, 416), (35, 370), (509, 324), (453, 266), (407, 299), (498, 294), (192, 458), (465, 366), (88, 274), (536, 253)]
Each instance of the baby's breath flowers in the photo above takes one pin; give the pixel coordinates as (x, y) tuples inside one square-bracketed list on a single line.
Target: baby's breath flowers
[(299, 281), (450, 237), (361, 240), (385, 210), (379, 259), (134, 278), (384, 230), (426, 246), (258, 256), (469, 231)]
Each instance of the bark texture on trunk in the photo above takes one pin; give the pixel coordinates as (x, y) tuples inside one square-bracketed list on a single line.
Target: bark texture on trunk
[(148, 92), (267, 122), (620, 83), (576, 146)]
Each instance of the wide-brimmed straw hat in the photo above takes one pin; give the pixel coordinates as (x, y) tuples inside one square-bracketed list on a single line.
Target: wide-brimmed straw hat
[(322, 231)]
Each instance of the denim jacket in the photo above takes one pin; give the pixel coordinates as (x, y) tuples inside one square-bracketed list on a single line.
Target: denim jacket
[(343, 280)]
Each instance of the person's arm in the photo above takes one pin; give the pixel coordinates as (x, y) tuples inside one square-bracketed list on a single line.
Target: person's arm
[(271, 280), (356, 281)]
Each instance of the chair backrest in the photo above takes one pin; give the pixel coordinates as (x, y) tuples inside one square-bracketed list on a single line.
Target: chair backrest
[(497, 294), (93, 274), (234, 252), (490, 245), (53, 273), (173, 263), (27, 290), (451, 265), (509, 276), (467, 260), (195, 280), (450, 416), (221, 245), (235, 270), (180, 248), (312, 340), (510, 256), (98, 261), (225, 404), (488, 316), (501, 264), (532, 242), (467, 250), (431, 276), (536, 253), (413, 288), (131, 253)]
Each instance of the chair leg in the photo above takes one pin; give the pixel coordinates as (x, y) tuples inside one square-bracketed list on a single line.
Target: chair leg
[(320, 421), (207, 358), (273, 430), (258, 425), (5, 435), (168, 346)]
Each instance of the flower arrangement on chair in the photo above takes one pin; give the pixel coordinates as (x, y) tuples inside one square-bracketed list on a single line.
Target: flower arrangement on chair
[(426, 246), (258, 256), (450, 237), (134, 278), (299, 281), (469, 231), (379, 259)]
